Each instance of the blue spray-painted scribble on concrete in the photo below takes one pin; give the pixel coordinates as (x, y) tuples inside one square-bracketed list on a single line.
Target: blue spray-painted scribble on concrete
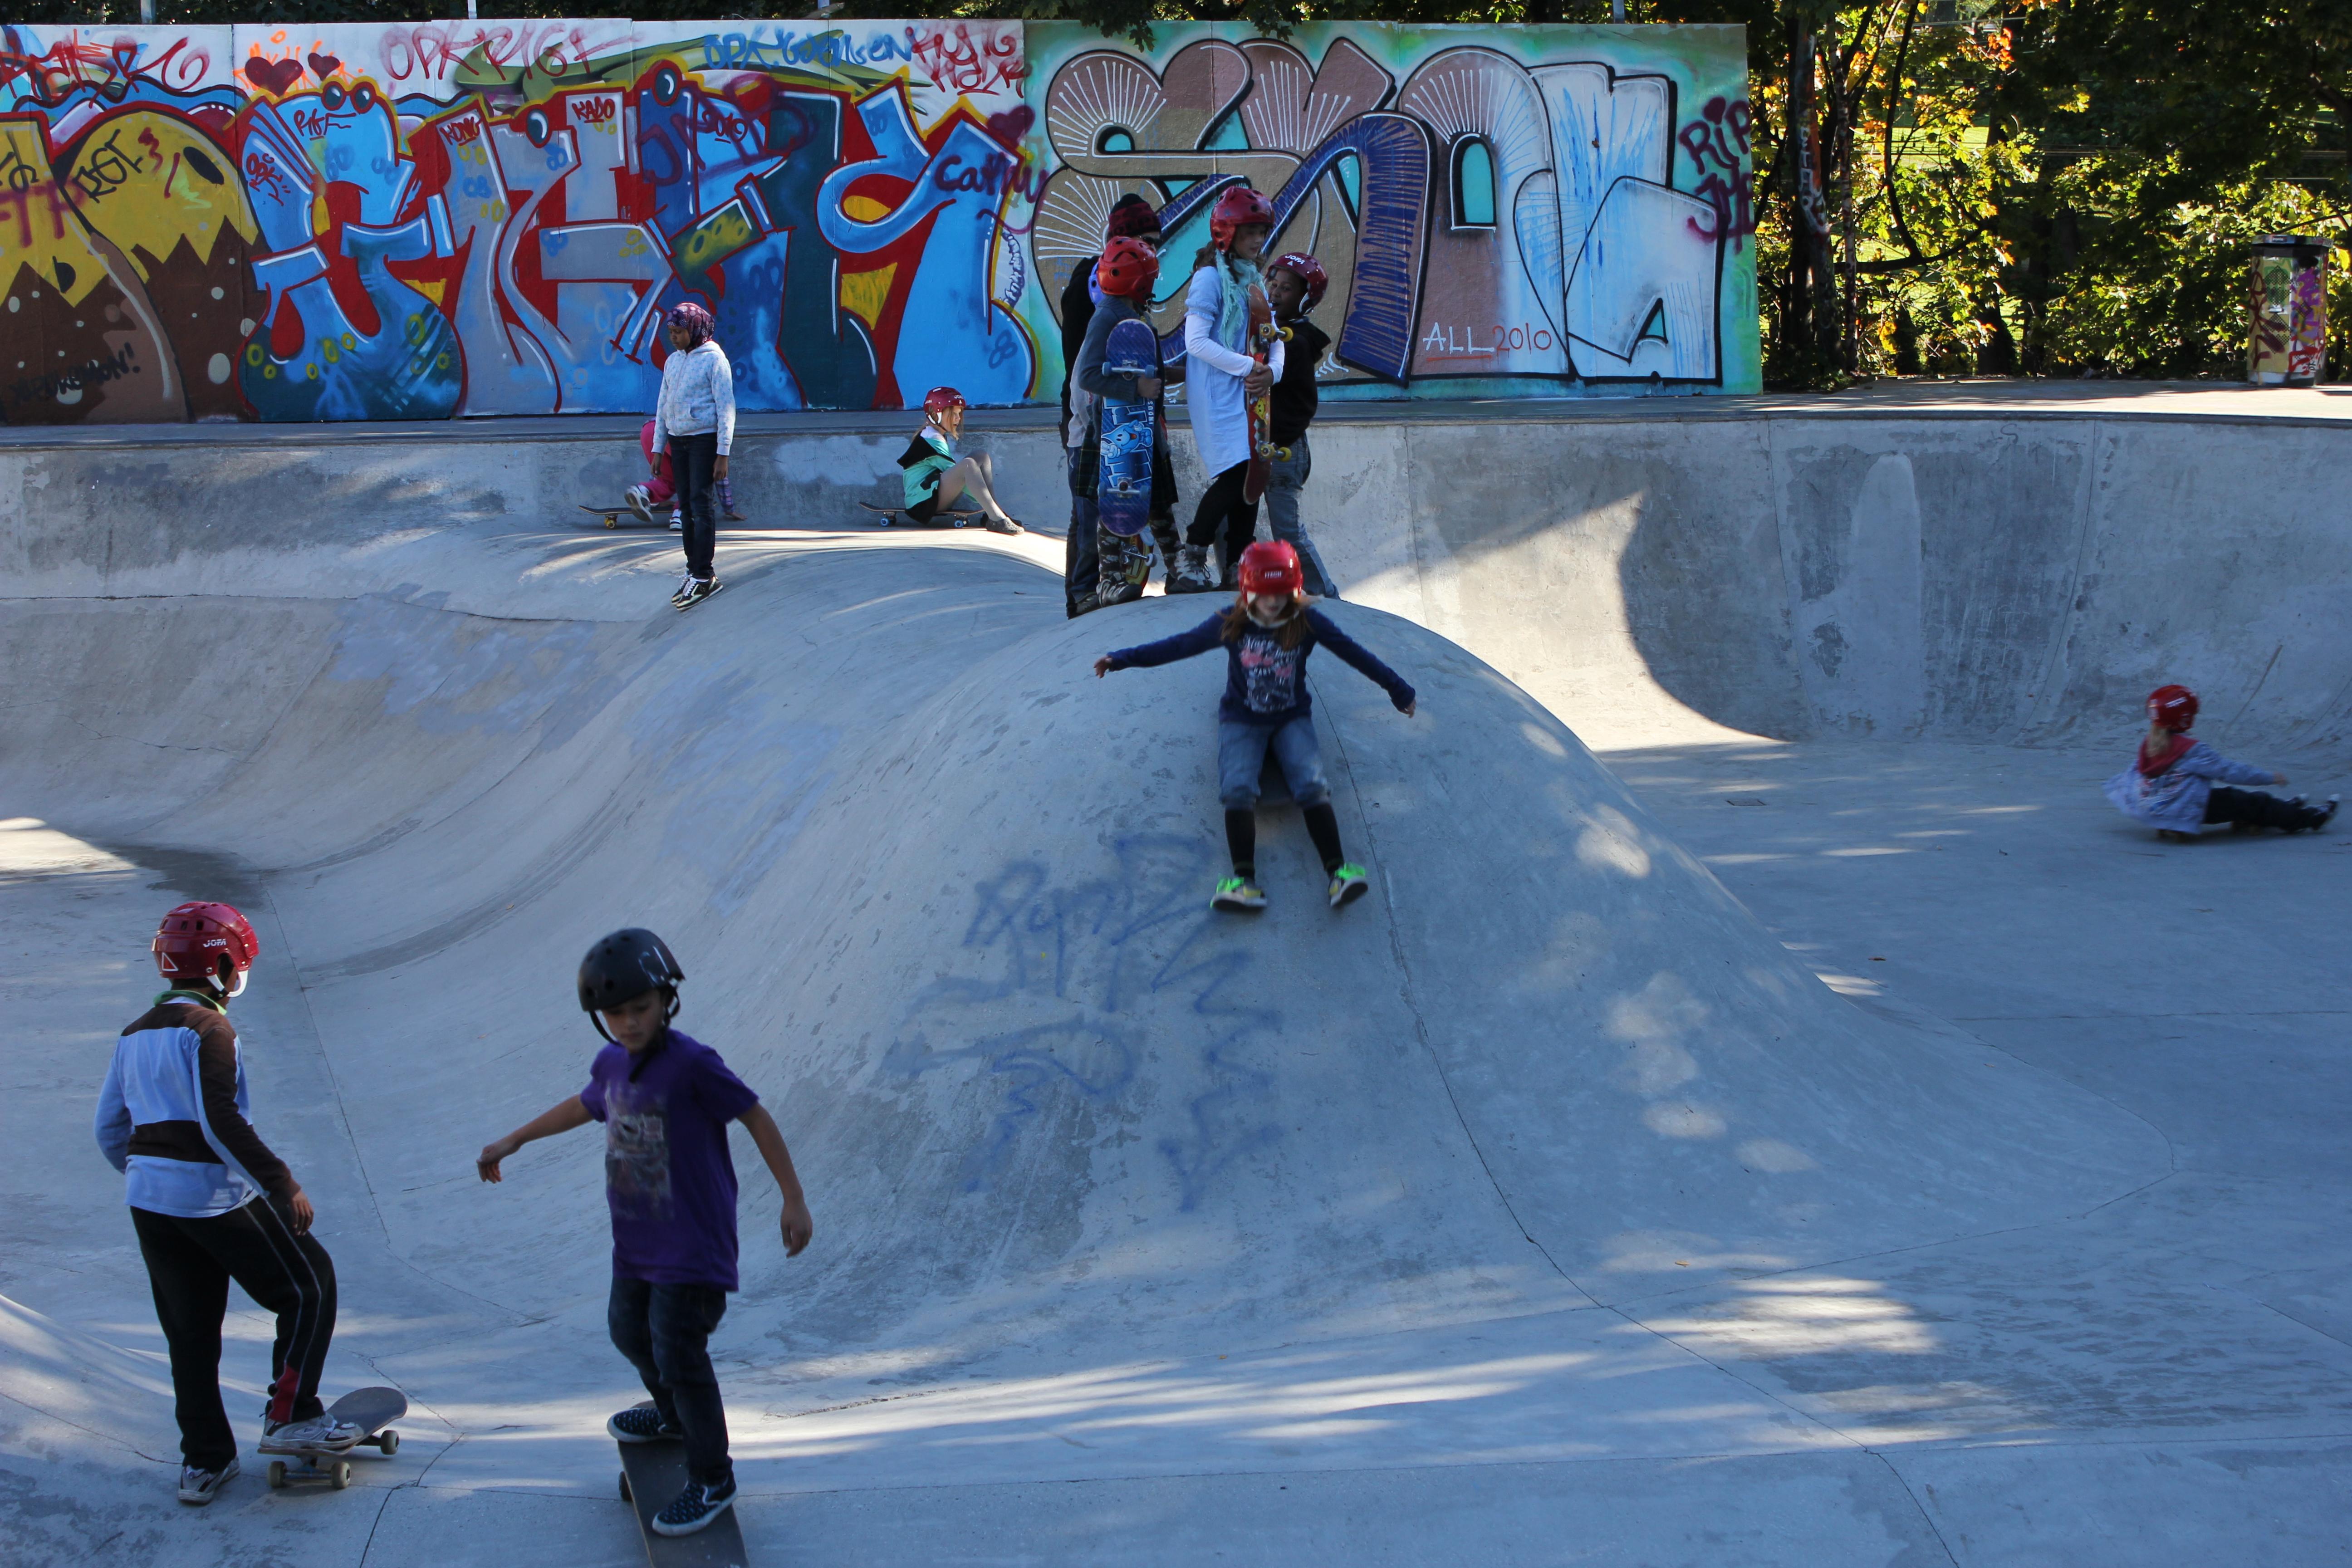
[(1094, 983)]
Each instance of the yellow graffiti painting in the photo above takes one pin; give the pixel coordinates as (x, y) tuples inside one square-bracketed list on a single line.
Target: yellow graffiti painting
[(147, 181)]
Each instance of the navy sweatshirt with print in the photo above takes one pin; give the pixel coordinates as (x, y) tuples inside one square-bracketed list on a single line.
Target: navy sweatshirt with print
[(1266, 683)]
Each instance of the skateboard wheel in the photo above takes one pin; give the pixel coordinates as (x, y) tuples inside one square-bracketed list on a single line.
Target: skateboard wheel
[(390, 1443), (625, 1487), (612, 523), (340, 1475), (277, 1474)]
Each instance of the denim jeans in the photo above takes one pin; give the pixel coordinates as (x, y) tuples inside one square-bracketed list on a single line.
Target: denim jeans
[(691, 459), (665, 1330), (1079, 557), (1282, 487), (1241, 757)]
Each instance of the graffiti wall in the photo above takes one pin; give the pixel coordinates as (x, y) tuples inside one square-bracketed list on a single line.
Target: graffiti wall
[(439, 220), (1504, 211)]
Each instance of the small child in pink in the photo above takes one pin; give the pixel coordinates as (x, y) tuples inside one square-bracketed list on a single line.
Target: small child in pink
[(662, 489)]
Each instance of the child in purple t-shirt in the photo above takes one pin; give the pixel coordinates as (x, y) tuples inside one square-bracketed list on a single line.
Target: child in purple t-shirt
[(666, 1101)]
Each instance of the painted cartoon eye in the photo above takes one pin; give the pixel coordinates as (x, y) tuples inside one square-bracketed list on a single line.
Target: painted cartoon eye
[(538, 127), (364, 97), (330, 97), (667, 84)]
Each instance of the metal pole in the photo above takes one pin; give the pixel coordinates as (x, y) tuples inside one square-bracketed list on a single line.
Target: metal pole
[(469, 10), (1616, 10), (146, 13)]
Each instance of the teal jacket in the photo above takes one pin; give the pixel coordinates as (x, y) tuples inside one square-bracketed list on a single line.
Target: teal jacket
[(927, 456)]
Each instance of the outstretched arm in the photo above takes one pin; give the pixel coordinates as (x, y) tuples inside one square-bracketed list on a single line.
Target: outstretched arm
[(556, 1119), (797, 1225), (1356, 654), (1166, 650)]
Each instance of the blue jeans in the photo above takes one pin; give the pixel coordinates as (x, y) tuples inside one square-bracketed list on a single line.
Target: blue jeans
[(1289, 477), (1081, 564), (1241, 757), (665, 1330)]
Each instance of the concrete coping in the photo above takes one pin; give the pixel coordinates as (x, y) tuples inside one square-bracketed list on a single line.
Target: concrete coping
[(2199, 402)]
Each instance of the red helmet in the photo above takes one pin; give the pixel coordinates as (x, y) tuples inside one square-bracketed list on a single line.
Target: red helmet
[(1127, 269), (1310, 272), (1270, 566), (2173, 707), (940, 399), (197, 939), (1236, 207)]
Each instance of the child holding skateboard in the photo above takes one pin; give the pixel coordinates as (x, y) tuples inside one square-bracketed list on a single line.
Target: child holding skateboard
[(210, 1203), (2177, 783), (1220, 377), (1267, 635), (694, 424), (1294, 286), (934, 476), (1124, 277), (666, 1101)]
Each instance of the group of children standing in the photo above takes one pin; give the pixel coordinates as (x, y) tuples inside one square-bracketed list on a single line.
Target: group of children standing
[(1219, 374)]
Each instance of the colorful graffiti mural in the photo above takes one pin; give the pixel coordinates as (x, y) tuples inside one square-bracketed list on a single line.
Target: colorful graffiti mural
[(452, 218), (1532, 211)]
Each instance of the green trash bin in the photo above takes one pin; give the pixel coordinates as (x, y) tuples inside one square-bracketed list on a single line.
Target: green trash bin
[(2286, 343)]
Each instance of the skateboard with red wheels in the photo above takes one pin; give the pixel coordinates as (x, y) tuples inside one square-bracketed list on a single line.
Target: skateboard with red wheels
[(369, 1409), (1263, 335), (651, 1475)]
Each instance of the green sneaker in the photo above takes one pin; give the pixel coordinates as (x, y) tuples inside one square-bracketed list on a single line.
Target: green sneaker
[(1238, 894), (1349, 884)]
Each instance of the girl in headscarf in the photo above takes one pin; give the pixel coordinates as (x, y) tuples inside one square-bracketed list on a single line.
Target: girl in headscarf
[(694, 424)]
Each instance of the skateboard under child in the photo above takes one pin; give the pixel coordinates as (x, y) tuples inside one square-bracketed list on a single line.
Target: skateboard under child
[(366, 1408), (651, 1474), (1263, 333), (898, 517), (618, 516)]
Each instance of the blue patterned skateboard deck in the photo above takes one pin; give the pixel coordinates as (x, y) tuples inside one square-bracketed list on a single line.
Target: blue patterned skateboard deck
[(1123, 477)]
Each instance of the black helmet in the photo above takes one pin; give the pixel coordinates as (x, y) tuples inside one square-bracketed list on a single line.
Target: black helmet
[(624, 966)]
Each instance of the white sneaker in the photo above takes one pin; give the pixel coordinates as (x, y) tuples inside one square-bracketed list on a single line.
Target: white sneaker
[(640, 498), (197, 1486), (323, 1433), (677, 522)]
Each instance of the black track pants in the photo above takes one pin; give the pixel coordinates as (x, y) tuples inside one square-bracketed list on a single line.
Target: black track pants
[(189, 1263), (2253, 809)]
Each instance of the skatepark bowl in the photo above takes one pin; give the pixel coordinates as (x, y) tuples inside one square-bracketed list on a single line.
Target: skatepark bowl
[(1771, 1110)]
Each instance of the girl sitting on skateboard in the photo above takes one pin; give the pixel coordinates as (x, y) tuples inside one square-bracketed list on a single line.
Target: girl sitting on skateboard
[(2177, 783), (1220, 377), (934, 476), (1267, 635)]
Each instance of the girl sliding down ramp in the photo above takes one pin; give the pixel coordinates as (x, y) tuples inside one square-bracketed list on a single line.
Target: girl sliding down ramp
[(1220, 377), (1267, 635), (2179, 783)]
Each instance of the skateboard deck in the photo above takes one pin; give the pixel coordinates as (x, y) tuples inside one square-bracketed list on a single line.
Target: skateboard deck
[(619, 516), (651, 1475), (1263, 333), (896, 517), (1123, 475), (369, 1409)]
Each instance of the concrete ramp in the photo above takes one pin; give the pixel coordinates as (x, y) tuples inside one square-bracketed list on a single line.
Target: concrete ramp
[(941, 896)]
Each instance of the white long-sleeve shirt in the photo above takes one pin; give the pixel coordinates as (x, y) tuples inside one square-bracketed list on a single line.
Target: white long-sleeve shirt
[(1212, 376), (697, 397)]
